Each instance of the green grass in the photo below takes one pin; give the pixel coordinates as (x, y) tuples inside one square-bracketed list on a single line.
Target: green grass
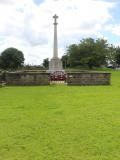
[(60, 122)]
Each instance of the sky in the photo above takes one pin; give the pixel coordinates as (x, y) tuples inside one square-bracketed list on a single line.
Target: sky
[(28, 25)]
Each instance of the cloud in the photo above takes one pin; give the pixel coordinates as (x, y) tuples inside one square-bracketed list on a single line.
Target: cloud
[(6, 2), (29, 27), (114, 29)]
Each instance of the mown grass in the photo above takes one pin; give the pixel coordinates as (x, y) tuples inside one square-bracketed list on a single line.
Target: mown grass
[(60, 122)]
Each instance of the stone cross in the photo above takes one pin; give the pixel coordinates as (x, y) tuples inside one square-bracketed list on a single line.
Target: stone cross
[(55, 48), (55, 63), (55, 17)]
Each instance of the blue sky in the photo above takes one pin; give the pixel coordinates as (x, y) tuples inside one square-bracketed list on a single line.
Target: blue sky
[(28, 24), (38, 2)]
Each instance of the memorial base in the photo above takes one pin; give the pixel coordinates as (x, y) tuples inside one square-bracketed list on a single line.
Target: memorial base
[(55, 64)]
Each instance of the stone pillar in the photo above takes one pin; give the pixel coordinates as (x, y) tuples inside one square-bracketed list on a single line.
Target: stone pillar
[(55, 63), (55, 48)]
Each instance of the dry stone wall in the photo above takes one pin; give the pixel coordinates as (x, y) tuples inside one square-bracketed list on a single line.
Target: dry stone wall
[(90, 78), (43, 78), (27, 79)]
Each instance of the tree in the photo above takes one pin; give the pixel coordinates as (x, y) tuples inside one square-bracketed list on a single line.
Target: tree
[(11, 58), (111, 56), (46, 63), (64, 60), (73, 54), (88, 52), (117, 57)]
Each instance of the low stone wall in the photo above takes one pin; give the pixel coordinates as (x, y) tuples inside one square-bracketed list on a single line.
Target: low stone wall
[(88, 78), (26, 79), (42, 78)]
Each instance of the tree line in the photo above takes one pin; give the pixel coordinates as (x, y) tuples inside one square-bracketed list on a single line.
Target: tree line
[(91, 53), (88, 53)]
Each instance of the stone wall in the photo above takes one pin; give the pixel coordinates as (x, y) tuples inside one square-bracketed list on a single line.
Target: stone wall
[(26, 79), (43, 78), (88, 78)]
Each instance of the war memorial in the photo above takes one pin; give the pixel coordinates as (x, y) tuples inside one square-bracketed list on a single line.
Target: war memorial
[(55, 73)]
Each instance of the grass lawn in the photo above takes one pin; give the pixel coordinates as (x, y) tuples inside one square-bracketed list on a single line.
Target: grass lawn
[(60, 122)]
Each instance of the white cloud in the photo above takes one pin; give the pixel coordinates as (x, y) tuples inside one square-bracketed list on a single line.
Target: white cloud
[(29, 27), (6, 2), (115, 29)]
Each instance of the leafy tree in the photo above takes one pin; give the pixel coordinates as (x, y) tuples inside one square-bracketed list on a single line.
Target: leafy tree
[(11, 58), (73, 55), (65, 61), (117, 57), (46, 63), (94, 52), (111, 56), (88, 52), (0, 62)]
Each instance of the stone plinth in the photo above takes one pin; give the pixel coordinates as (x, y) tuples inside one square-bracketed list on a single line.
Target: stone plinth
[(55, 64)]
